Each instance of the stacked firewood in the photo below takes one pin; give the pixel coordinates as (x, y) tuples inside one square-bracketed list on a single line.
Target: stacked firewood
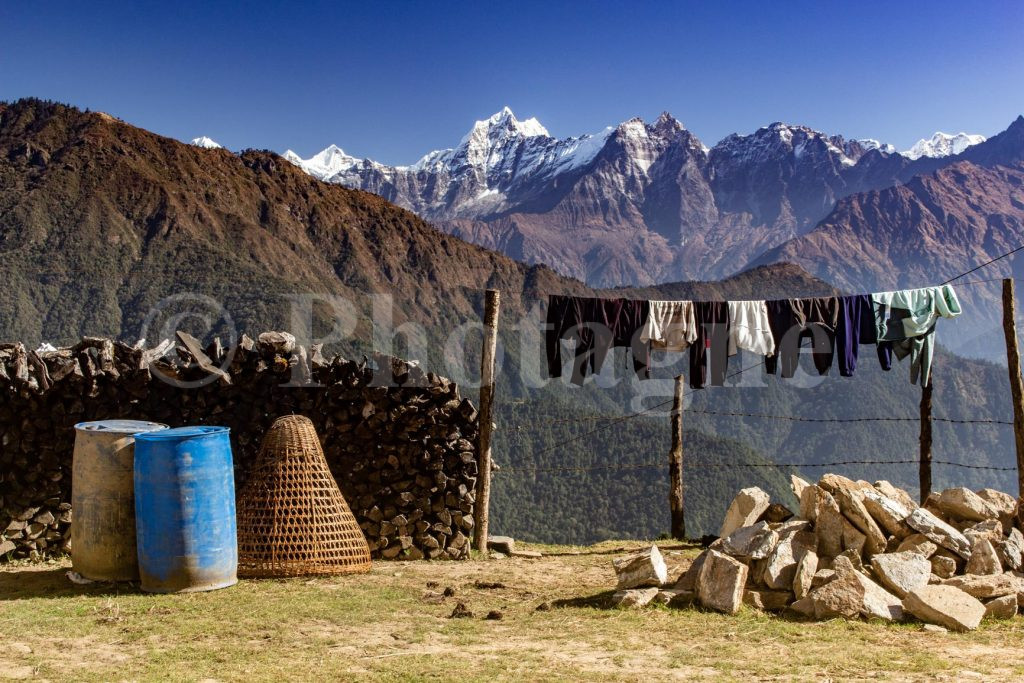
[(400, 442)]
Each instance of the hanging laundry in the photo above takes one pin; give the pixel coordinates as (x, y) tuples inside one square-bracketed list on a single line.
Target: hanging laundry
[(712, 318), (596, 325), (856, 327), (749, 328), (792, 321), (670, 326), (905, 325)]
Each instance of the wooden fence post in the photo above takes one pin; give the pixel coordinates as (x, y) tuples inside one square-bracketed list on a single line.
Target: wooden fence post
[(1016, 386), (483, 477), (675, 465), (925, 467)]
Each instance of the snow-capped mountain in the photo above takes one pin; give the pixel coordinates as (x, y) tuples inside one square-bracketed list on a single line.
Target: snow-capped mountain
[(943, 145), (637, 203), (869, 144), (206, 143)]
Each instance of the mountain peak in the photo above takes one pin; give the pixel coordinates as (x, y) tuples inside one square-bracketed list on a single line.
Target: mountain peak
[(206, 143), (942, 145), (504, 124)]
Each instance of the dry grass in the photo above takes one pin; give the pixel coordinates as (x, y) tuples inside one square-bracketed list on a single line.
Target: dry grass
[(389, 625)]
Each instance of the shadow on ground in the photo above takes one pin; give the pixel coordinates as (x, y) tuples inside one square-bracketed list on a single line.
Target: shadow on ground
[(54, 583)]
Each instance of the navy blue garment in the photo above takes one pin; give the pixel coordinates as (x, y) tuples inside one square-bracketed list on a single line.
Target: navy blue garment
[(712, 318), (793, 320), (597, 325), (856, 327)]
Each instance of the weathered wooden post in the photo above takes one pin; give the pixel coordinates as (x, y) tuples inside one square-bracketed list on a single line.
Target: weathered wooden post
[(1016, 385), (483, 478), (675, 465), (925, 471)]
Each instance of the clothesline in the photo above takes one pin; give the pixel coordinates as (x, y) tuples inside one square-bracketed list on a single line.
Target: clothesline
[(899, 323), (751, 367)]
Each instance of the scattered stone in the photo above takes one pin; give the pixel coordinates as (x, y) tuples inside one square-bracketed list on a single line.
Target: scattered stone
[(1003, 503), (501, 544), (984, 559), (877, 602), (829, 524), (1003, 607), (821, 577), (809, 501), (933, 628), (939, 532), (903, 572), (853, 540), (851, 505), (848, 559), (780, 566), (675, 597), (688, 579), (803, 578), (895, 493), (744, 510), (917, 543), (945, 606), (721, 581), (890, 514), (991, 529), (432, 597), (965, 504), (528, 554), (798, 485), (767, 601), (990, 586), (461, 612), (1011, 550), (20, 648), (494, 615), (645, 568), (752, 542), (634, 597), (942, 566), (841, 597), (776, 513)]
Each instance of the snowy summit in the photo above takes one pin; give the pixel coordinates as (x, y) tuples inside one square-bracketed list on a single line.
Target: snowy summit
[(206, 143), (943, 145)]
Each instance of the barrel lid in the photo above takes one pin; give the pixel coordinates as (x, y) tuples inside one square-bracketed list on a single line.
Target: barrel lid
[(120, 426), (181, 433)]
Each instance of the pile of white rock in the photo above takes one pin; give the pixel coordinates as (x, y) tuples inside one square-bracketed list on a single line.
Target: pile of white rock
[(854, 550)]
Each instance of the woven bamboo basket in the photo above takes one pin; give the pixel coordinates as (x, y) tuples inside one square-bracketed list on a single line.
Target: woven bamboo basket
[(292, 518)]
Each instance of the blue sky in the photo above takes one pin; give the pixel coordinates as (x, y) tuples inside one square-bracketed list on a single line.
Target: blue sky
[(393, 80)]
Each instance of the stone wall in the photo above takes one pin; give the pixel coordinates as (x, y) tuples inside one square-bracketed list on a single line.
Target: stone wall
[(400, 442)]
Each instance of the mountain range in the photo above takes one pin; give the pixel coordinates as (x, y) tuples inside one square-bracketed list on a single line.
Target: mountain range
[(638, 203)]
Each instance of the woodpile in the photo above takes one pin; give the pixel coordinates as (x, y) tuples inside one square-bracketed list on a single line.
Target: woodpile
[(853, 550), (399, 441)]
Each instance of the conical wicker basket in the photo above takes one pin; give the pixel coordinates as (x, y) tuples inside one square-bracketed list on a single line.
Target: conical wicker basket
[(292, 518)]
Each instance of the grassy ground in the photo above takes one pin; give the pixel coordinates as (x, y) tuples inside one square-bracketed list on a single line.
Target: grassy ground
[(393, 625)]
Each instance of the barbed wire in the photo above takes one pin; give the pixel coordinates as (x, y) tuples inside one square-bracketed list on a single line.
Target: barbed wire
[(790, 418), (748, 465)]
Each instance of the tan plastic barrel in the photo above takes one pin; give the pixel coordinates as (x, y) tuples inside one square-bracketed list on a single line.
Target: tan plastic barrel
[(103, 499)]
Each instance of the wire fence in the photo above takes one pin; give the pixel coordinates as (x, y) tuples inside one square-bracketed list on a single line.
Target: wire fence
[(612, 421)]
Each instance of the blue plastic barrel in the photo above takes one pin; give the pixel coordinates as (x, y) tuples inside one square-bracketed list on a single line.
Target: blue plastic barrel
[(185, 510)]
